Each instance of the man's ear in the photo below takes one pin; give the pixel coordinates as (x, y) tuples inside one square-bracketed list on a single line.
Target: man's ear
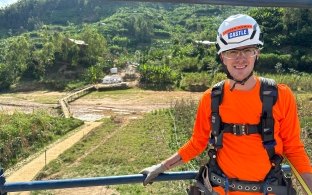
[(219, 59), (258, 54)]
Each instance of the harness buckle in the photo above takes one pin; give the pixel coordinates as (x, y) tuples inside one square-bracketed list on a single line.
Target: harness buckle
[(240, 129)]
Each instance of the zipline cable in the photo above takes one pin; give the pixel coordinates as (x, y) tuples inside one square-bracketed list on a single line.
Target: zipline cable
[(299, 178)]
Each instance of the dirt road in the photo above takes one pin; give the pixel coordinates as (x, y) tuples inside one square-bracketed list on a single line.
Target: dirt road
[(90, 108), (29, 170)]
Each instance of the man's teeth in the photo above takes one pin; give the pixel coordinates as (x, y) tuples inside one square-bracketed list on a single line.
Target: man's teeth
[(239, 67)]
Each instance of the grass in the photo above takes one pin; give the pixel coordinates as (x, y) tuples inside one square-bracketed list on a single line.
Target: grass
[(141, 143), (44, 97), (305, 114), (114, 94), (23, 134), (300, 82)]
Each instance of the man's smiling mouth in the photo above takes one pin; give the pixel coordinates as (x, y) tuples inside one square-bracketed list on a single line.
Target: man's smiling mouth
[(240, 67)]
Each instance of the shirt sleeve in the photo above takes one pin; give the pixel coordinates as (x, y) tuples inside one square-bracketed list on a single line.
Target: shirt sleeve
[(201, 131), (293, 147)]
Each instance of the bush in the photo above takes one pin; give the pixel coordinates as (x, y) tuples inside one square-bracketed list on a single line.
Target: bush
[(21, 133), (55, 84), (195, 81), (268, 62), (305, 63), (217, 77), (186, 64), (183, 113), (161, 33), (93, 74), (157, 77), (296, 81)]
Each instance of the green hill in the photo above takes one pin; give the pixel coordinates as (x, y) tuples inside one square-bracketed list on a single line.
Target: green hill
[(26, 15)]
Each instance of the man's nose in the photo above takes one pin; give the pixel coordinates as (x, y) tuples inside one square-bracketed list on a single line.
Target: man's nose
[(240, 56)]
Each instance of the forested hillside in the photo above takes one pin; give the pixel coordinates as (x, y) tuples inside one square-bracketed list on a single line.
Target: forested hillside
[(57, 42), (31, 14)]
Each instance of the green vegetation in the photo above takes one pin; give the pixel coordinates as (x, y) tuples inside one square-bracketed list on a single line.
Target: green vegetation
[(140, 143), (43, 97), (79, 41), (296, 81), (23, 134), (182, 113), (30, 15), (157, 77), (305, 114)]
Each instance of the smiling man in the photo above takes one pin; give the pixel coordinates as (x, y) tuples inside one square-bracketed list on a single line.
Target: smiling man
[(252, 124)]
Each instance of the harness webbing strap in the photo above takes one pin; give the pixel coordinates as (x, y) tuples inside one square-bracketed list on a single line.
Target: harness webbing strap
[(216, 123), (248, 186), (268, 95), (238, 129)]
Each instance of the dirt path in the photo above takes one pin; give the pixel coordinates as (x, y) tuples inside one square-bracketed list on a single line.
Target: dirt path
[(93, 190), (29, 171), (90, 108)]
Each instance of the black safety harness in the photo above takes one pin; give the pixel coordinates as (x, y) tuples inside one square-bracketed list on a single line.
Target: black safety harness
[(275, 181)]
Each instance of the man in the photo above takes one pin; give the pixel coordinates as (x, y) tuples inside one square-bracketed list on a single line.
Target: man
[(246, 157)]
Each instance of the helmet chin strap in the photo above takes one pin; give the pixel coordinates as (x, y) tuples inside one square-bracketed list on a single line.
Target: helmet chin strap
[(241, 82)]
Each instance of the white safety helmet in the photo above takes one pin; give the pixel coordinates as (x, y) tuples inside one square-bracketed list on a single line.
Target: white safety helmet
[(237, 31)]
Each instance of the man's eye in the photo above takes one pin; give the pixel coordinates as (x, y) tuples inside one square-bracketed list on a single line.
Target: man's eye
[(233, 52), (249, 51)]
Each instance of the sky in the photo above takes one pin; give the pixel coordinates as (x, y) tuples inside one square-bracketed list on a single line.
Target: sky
[(3, 3)]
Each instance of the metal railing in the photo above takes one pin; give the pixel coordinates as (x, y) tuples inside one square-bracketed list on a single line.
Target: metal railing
[(94, 181)]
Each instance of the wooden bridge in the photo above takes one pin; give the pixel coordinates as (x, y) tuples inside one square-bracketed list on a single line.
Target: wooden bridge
[(64, 102)]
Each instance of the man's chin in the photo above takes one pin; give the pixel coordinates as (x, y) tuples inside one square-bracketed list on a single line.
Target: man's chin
[(240, 78)]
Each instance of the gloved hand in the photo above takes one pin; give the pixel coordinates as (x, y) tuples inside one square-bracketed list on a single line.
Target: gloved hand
[(152, 172)]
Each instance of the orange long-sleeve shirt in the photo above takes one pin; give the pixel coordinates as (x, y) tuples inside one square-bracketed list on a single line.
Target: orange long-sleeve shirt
[(244, 157)]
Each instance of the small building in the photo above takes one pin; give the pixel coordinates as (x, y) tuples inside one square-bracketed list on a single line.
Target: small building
[(113, 70), (207, 43), (110, 79)]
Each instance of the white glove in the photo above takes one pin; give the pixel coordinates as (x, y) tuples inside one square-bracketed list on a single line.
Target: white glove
[(152, 172)]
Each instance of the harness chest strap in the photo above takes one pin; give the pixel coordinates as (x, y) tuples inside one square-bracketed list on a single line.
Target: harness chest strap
[(238, 129)]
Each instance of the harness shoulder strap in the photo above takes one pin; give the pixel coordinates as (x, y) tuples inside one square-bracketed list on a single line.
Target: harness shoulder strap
[(216, 123), (268, 95)]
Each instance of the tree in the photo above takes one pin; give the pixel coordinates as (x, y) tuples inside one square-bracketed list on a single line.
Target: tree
[(7, 77), (142, 28), (157, 77), (17, 55), (97, 45), (94, 73), (42, 58)]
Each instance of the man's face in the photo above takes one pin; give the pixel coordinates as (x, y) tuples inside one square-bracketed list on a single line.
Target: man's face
[(240, 61)]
